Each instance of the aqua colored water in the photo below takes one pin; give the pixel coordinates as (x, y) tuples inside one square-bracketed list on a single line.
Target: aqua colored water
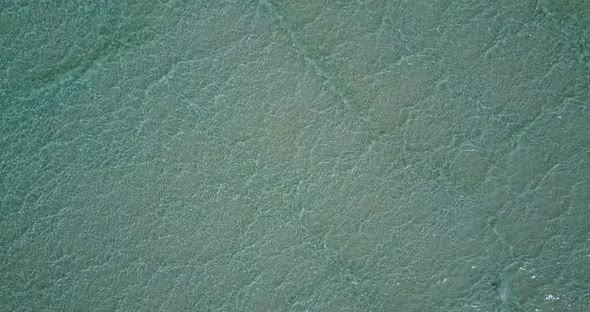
[(280, 155)]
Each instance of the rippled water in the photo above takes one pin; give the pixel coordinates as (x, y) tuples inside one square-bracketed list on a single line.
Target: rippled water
[(295, 155)]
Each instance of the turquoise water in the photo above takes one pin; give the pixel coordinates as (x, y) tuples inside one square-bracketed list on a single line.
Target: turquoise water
[(295, 155)]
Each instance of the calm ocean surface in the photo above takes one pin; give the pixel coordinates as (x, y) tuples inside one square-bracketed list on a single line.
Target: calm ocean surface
[(282, 155)]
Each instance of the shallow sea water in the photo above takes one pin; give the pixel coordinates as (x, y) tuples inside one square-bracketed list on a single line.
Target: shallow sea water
[(280, 155)]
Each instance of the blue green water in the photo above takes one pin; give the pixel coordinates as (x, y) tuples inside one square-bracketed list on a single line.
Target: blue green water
[(280, 155)]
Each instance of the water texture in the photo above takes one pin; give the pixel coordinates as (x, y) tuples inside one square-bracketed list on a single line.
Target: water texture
[(279, 155)]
